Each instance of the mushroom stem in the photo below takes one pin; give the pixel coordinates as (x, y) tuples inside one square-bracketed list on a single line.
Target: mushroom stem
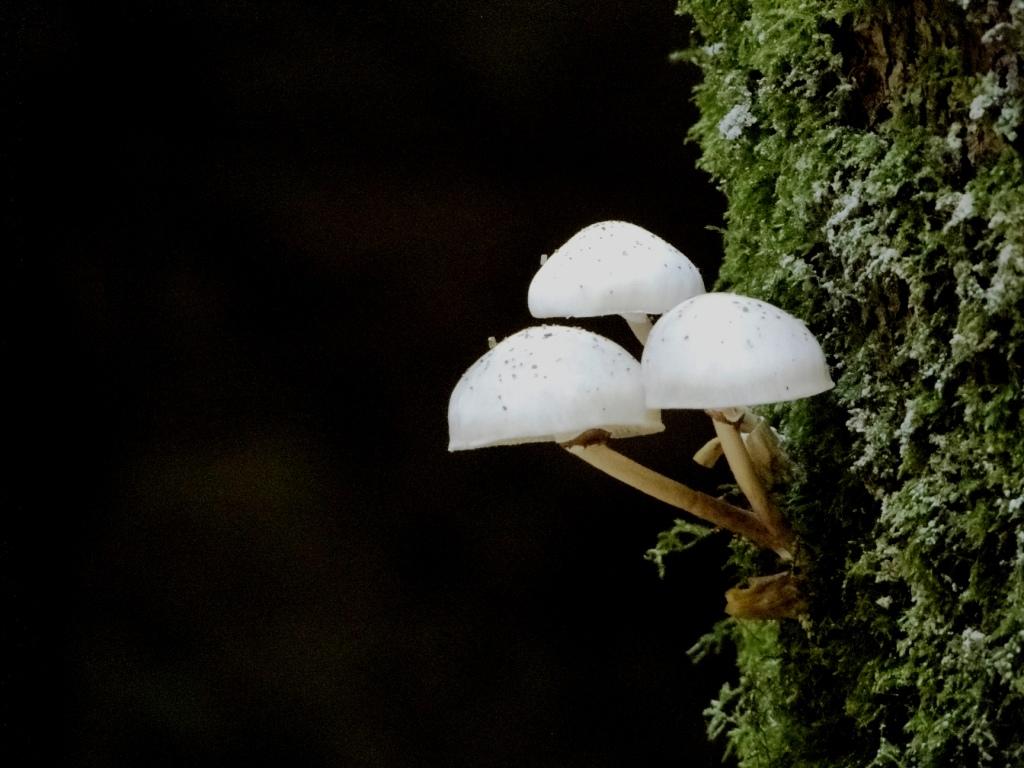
[(640, 324), (635, 475), (745, 419), (746, 477), (709, 453), (766, 454)]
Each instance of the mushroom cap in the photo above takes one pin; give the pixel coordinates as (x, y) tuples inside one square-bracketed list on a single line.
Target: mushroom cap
[(721, 350), (613, 268), (549, 383)]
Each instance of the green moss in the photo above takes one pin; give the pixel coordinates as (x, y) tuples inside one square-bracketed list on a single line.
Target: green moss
[(870, 154), (680, 537)]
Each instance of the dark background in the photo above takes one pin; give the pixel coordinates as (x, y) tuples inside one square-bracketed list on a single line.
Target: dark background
[(254, 247)]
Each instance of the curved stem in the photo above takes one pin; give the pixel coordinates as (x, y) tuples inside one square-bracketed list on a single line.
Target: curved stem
[(639, 324), (766, 454), (715, 511), (709, 453), (748, 420), (747, 478)]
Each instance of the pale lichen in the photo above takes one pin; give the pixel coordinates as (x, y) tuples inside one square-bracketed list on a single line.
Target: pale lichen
[(736, 120)]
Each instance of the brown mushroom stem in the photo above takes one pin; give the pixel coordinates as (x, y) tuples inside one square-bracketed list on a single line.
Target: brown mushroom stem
[(709, 453), (748, 423), (762, 447), (746, 419), (635, 475), (768, 597), (746, 477), (639, 324), (766, 454)]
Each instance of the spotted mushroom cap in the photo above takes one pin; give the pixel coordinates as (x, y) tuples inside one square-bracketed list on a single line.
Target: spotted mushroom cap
[(549, 383), (613, 268), (721, 350)]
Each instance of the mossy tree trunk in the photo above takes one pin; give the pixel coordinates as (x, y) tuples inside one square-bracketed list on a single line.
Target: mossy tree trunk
[(870, 153)]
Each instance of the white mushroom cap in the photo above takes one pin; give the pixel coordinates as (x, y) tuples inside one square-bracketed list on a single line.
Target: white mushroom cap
[(721, 350), (549, 383), (613, 268)]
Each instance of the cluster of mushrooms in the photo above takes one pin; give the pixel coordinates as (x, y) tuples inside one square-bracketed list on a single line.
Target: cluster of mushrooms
[(718, 352)]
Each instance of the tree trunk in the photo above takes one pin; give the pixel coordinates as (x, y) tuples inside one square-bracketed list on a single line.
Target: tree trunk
[(870, 153)]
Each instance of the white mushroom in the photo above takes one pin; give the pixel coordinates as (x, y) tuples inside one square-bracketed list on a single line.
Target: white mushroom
[(721, 351), (570, 386), (549, 384), (614, 268)]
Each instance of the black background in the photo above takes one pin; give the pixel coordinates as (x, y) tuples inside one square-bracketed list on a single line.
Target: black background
[(256, 245)]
